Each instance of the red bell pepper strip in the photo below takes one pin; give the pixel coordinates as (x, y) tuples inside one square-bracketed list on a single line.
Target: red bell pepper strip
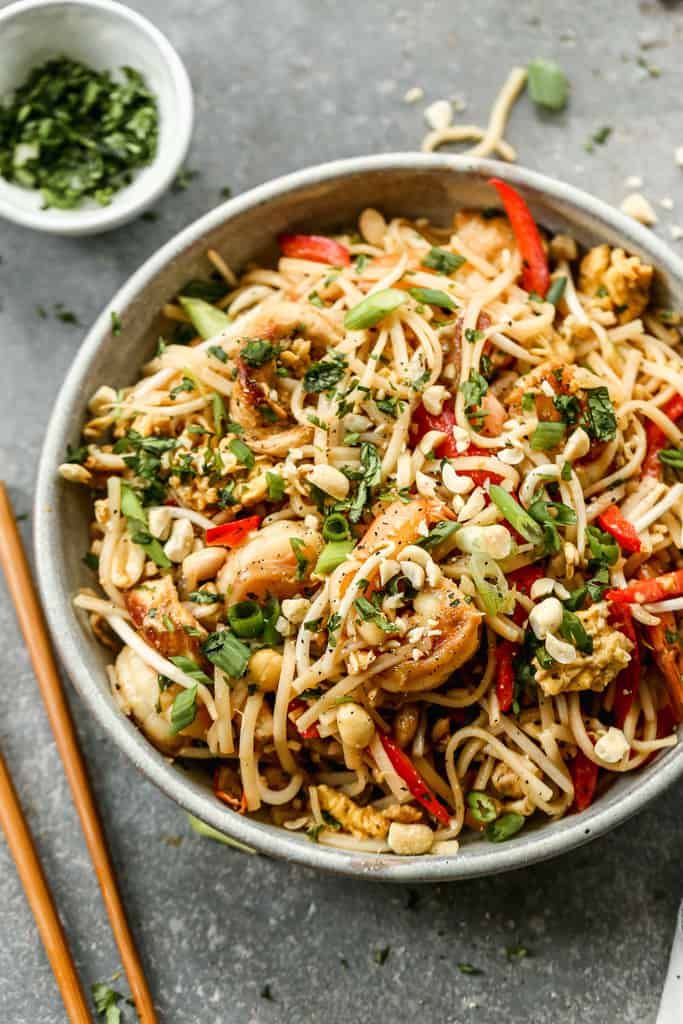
[(405, 768), (659, 588), (444, 421), (584, 773), (311, 733), (507, 650), (657, 439), (524, 578), (628, 680), (664, 642), (230, 535), (535, 273), (624, 532), (505, 673), (666, 722), (316, 248)]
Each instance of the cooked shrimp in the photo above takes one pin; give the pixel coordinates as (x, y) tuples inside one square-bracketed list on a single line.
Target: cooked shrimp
[(260, 399), (402, 523), (445, 629), (273, 563), (442, 611), (135, 685)]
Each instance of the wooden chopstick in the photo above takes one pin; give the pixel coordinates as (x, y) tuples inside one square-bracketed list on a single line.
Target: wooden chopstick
[(33, 626), (39, 897)]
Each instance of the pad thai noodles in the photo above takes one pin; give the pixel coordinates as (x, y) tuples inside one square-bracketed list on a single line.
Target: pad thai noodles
[(390, 536)]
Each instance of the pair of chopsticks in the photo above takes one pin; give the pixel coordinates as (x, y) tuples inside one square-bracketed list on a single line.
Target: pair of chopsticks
[(33, 626)]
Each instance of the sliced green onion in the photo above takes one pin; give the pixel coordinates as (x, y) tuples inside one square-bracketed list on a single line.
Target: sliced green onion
[(271, 613), (246, 619), (131, 506), (515, 515), (433, 297), (242, 452), (504, 827), (136, 521), (276, 486), (333, 554), (206, 319), (439, 533), (482, 806), (547, 435), (141, 536), (190, 667), (373, 309), (336, 527), (202, 829), (184, 709), (495, 597), (548, 86), (556, 290)]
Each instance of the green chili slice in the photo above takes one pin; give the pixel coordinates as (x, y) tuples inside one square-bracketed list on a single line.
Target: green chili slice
[(505, 827), (373, 309), (482, 806)]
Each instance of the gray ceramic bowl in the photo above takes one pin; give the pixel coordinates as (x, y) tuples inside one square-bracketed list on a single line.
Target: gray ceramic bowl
[(320, 198)]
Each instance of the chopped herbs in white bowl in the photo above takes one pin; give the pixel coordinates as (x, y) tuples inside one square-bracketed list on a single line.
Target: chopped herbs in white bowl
[(95, 115)]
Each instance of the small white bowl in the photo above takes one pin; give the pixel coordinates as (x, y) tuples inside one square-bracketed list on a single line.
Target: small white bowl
[(106, 35)]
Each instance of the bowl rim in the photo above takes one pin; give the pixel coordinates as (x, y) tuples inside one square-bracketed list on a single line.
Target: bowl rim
[(473, 860), (92, 221)]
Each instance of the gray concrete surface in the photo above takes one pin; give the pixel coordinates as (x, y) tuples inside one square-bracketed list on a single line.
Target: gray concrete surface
[(279, 85)]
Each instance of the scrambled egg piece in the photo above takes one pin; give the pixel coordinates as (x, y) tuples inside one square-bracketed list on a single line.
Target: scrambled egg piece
[(611, 653), (559, 377), (487, 237), (624, 278), (359, 821)]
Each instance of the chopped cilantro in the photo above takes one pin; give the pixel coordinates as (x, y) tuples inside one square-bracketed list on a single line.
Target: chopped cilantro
[(298, 546), (466, 968), (75, 133), (368, 612), (443, 261), (106, 1001), (599, 419), (474, 389), (323, 376), (186, 384), (218, 353), (257, 352)]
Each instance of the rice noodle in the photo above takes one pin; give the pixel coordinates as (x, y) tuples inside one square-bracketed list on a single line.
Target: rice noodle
[(353, 610)]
